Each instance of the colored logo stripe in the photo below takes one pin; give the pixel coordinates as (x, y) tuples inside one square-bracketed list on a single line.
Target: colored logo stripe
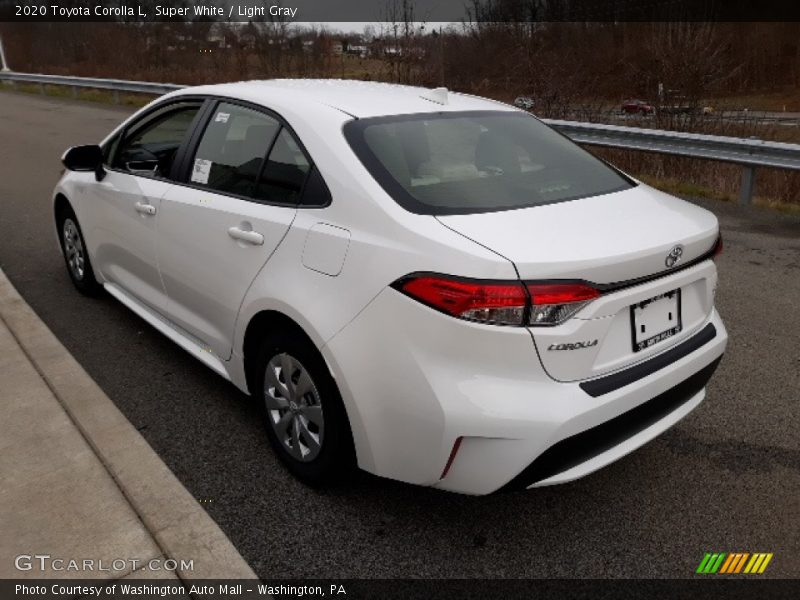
[(711, 562), (735, 562), (726, 565), (703, 563), (758, 563)]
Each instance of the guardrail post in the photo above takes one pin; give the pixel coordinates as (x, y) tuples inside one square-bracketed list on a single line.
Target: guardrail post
[(3, 63), (748, 183), (74, 91), (116, 96), (41, 89)]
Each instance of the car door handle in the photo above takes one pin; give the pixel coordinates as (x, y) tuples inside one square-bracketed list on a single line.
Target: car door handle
[(251, 237), (145, 209)]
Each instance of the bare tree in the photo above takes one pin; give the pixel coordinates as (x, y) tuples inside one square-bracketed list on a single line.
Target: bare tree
[(401, 34), (689, 61)]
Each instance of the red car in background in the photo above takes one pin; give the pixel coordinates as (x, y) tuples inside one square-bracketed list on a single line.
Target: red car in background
[(638, 107)]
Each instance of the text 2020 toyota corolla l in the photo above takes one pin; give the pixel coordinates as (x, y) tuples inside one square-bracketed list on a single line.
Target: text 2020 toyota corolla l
[(433, 286)]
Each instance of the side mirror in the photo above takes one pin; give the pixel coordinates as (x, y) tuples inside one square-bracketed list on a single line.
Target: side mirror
[(84, 158)]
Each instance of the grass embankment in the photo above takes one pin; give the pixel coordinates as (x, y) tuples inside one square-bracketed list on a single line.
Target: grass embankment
[(694, 190)]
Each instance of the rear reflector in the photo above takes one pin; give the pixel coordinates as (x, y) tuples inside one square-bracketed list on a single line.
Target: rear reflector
[(717, 249), (453, 452)]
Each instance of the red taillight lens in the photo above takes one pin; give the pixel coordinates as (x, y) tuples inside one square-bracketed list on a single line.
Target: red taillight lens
[(498, 303), (561, 293), (717, 250), (554, 303)]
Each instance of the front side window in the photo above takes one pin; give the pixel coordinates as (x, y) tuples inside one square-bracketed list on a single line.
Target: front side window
[(231, 152), (110, 148), (150, 148), (473, 162)]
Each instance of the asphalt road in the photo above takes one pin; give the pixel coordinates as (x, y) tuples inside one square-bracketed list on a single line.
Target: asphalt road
[(727, 478)]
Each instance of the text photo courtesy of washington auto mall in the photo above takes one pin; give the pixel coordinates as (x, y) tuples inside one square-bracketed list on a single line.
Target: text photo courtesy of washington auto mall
[(400, 299)]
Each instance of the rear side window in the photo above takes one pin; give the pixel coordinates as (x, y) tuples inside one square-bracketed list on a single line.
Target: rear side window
[(473, 162), (150, 146), (315, 192), (231, 152), (285, 172)]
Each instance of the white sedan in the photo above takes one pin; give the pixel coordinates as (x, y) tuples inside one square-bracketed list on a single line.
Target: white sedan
[(434, 287)]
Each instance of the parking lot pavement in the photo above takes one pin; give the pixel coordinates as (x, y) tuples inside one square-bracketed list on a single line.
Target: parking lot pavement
[(726, 478), (79, 483)]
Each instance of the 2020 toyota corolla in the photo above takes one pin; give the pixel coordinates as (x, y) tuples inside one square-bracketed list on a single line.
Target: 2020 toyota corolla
[(433, 286)]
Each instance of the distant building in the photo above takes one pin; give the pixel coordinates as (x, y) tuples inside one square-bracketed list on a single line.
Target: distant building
[(219, 36), (357, 49), (323, 45)]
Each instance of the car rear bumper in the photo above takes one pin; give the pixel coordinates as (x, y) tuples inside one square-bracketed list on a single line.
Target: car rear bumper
[(602, 444), (436, 380)]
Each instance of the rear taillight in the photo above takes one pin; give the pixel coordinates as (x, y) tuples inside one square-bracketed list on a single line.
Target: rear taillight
[(499, 303), (554, 303)]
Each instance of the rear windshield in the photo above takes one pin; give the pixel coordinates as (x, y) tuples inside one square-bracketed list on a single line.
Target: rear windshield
[(472, 162)]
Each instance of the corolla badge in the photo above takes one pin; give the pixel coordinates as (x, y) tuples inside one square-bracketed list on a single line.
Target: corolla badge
[(674, 256), (574, 346)]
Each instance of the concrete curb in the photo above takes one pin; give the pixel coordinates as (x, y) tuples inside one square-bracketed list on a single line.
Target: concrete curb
[(181, 528)]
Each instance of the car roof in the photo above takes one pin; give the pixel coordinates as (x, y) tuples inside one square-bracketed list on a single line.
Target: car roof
[(360, 99)]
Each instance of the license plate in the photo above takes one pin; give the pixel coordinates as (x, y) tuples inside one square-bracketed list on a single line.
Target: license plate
[(656, 319)]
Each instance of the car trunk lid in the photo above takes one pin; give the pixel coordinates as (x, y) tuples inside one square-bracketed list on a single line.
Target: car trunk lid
[(604, 239), (625, 244)]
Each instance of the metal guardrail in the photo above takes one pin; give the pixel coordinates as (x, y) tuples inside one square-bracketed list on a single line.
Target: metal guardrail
[(114, 85), (747, 152), (743, 151), (744, 116)]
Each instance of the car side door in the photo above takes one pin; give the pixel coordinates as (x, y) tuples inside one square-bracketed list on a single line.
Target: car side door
[(122, 211), (244, 175)]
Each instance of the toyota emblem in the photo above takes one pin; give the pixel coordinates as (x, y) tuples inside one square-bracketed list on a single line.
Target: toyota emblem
[(674, 256)]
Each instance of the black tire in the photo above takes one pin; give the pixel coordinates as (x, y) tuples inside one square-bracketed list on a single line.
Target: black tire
[(335, 461), (83, 277)]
